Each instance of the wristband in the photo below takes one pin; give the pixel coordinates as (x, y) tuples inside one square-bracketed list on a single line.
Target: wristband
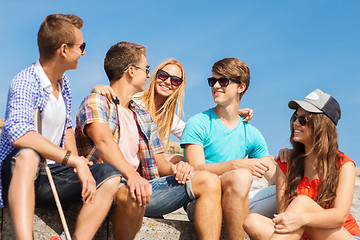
[(66, 158)]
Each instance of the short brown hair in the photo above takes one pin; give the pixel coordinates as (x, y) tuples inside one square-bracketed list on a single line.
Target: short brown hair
[(120, 56), (56, 30), (233, 68)]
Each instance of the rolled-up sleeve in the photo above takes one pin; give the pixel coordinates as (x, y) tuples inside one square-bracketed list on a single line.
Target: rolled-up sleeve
[(20, 108)]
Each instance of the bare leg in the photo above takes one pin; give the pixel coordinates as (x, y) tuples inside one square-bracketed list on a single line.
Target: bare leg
[(258, 227), (206, 187), (93, 214), (305, 204), (22, 193), (235, 187), (127, 216)]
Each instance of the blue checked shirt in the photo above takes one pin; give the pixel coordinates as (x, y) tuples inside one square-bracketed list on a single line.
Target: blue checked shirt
[(97, 108), (24, 97)]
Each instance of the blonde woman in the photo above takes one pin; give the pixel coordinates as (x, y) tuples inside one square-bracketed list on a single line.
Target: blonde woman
[(163, 98)]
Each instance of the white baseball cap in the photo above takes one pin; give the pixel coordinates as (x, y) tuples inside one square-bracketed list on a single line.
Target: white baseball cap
[(319, 102)]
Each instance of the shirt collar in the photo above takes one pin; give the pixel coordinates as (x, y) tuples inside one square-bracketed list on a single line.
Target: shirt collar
[(133, 105), (44, 80)]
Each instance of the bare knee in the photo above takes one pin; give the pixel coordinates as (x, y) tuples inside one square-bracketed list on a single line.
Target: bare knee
[(124, 201), (302, 199), (303, 203), (258, 226), (205, 182), (27, 162), (236, 183), (126, 209), (122, 196), (111, 185)]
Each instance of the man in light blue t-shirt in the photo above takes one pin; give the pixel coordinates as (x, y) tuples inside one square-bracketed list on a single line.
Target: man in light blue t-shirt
[(217, 140)]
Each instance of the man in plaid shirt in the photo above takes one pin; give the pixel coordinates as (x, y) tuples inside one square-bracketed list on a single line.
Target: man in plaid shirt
[(120, 133), (44, 86)]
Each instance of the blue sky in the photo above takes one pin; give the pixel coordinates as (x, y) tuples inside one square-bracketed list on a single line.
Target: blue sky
[(291, 48)]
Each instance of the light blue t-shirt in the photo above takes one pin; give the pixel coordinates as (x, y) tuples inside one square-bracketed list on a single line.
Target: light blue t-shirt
[(221, 144)]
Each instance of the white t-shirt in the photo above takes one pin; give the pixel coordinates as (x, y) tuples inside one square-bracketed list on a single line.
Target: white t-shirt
[(53, 116), (177, 127)]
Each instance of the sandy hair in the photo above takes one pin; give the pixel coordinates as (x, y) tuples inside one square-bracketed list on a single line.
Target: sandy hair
[(55, 30)]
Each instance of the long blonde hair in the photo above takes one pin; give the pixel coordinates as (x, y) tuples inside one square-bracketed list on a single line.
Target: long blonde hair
[(164, 117)]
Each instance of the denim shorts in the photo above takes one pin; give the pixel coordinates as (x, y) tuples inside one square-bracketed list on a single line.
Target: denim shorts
[(263, 201), (66, 181), (168, 195)]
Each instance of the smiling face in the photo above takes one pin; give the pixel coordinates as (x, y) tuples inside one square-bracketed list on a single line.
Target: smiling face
[(74, 51), (165, 88), (302, 134), (226, 95)]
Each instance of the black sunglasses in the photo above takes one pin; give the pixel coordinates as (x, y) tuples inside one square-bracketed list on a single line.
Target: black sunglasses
[(82, 46), (302, 119), (174, 80), (145, 69), (224, 82)]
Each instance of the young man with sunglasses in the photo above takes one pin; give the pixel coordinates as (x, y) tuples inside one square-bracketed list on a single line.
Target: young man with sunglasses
[(217, 140), (44, 86), (122, 134)]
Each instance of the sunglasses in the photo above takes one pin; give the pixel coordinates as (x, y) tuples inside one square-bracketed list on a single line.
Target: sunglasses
[(145, 69), (302, 119), (174, 80), (82, 46), (224, 82)]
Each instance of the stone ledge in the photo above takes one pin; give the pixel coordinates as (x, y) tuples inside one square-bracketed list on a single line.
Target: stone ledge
[(47, 224)]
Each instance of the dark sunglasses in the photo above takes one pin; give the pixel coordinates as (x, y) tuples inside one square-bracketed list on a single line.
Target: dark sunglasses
[(145, 69), (82, 46), (174, 80), (224, 82), (302, 119)]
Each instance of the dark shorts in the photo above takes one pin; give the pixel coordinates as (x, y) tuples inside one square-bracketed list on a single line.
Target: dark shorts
[(66, 181)]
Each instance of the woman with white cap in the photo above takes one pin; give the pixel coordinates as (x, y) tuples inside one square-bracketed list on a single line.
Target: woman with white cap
[(316, 186)]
